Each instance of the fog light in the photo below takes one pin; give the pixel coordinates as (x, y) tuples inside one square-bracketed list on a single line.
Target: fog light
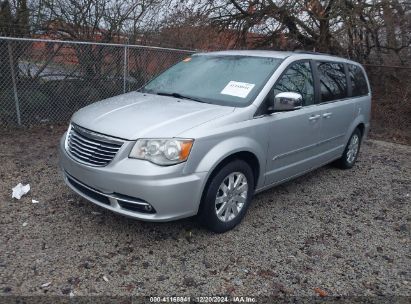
[(148, 208)]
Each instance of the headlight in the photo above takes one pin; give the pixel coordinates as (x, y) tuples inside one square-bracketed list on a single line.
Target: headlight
[(162, 151)]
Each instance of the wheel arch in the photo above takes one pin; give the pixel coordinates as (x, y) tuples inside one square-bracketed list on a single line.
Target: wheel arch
[(250, 158), (361, 127), (357, 123), (247, 156)]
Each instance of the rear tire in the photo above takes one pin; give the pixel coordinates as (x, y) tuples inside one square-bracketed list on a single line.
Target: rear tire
[(227, 197), (351, 151)]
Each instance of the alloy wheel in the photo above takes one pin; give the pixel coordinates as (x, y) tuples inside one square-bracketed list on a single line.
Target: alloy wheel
[(231, 196), (353, 148)]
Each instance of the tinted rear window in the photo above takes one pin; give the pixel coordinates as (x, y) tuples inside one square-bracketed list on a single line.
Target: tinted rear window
[(333, 82), (359, 85)]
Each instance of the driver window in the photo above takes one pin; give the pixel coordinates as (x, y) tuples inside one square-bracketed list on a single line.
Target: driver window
[(297, 78)]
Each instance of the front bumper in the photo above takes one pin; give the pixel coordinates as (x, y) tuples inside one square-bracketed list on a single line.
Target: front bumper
[(172, 194)]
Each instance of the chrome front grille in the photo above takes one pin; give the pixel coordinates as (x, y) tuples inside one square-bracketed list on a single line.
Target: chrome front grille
[(91, 148)]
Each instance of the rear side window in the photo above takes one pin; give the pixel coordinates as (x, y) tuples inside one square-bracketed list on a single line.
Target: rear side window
[(359, 85), (333, 83), (297, 78)]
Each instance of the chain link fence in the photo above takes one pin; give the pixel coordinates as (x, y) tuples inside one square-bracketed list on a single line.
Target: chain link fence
[(46, 81)]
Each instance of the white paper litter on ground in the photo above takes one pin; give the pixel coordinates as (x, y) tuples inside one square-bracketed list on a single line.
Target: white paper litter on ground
[(71, 294), (25, 224), (20, 190), (34, 201), (105, 278), (46, 284)]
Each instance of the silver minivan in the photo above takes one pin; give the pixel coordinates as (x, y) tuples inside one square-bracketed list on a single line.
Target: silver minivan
[(207, 134)]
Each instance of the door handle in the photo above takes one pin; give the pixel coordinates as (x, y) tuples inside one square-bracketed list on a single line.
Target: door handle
[(327, 115), (314, 117)]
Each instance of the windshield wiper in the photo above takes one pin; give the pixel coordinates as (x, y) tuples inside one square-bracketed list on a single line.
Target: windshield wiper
[(178, 95)]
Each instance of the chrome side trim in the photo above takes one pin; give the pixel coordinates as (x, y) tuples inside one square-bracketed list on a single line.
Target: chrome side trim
[(279, 156), (263, 188)]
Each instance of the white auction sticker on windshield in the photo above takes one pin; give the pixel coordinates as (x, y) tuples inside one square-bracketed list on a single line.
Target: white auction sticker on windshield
[(238, 89)]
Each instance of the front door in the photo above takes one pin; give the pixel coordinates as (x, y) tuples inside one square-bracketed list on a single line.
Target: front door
[(293, 135)]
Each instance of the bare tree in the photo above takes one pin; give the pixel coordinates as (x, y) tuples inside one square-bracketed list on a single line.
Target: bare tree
[(90, 20), (366, 30), (357, 28), (14, 21)]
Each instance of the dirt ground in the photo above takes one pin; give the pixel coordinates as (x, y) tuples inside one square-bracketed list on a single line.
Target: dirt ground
[(330, 231)]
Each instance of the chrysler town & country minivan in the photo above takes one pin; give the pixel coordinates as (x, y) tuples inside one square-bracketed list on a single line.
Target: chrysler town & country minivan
[(207, 134)]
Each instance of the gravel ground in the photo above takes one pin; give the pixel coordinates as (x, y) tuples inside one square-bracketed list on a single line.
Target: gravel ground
[(331, 231)]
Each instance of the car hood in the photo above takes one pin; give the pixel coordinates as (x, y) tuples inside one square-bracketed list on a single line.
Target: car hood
[(136, 115)]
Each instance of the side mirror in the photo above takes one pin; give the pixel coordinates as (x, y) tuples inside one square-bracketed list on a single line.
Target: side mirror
[(287, 101)]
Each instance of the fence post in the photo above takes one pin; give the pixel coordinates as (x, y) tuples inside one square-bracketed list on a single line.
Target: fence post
[(125, 65), (13, 77)]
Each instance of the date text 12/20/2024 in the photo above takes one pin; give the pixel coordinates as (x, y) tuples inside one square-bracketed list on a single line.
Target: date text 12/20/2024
[(203, 299)]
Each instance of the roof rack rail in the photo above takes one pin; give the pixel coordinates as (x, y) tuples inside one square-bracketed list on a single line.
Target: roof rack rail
[(311, 52)]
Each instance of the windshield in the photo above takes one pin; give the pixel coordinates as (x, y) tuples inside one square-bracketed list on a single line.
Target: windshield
[(223, 80)]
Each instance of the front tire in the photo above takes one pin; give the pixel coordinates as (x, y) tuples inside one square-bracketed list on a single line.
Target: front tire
[(351, 151), (227, 197)]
